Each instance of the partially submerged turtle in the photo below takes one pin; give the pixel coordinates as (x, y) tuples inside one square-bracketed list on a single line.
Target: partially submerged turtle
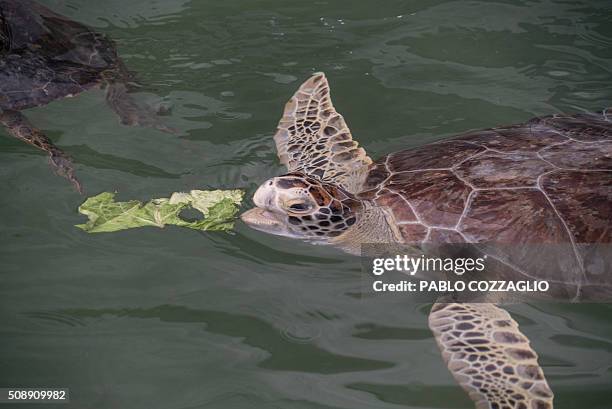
[(45, 56), (545, 181)]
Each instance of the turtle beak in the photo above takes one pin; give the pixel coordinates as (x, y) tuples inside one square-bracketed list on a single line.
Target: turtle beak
[(265, 195), (262, 217)]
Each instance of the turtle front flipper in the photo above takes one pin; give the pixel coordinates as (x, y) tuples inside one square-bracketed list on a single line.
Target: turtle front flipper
[(19, 127), (313, 138), (489, 357), (131, 113)]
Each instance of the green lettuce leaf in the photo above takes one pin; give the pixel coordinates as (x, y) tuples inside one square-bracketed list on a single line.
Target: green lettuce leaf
[(219, 208)]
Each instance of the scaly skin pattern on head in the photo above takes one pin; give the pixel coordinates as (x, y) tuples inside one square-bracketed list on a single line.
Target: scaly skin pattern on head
[(299, 206)]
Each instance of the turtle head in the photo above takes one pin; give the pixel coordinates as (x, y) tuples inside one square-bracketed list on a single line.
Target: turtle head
[(297, 206)]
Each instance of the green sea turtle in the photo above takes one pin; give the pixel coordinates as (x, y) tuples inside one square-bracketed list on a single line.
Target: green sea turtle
[(545, 181), (45, 56)]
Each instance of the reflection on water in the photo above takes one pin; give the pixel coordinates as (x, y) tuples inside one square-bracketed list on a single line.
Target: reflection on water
[(177, 319)]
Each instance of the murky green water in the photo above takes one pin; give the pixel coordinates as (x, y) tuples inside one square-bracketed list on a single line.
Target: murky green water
[(177, 319)]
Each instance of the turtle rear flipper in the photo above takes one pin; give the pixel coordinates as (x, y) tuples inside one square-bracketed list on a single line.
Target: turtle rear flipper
[(130, 112), (19, 127)]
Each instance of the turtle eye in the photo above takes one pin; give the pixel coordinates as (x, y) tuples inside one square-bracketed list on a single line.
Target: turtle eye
[(299, 207)]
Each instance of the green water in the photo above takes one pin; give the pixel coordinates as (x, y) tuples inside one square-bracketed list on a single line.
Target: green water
[(178, 319)]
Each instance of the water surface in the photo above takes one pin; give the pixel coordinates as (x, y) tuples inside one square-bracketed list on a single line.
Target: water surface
[(179, 319)]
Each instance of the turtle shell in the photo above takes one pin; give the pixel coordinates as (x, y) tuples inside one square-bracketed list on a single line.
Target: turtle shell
[(45, 56), (547, 181)]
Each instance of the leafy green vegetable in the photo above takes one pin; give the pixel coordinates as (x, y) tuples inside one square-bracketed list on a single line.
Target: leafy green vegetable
[(219, 208)]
